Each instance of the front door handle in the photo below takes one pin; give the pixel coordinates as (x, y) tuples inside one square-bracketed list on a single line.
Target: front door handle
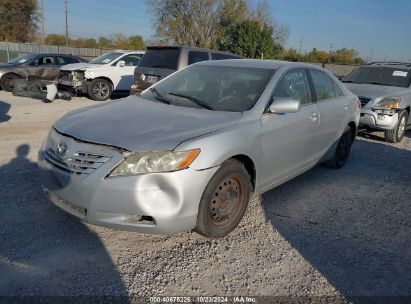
[(345, 107), (313, 116)]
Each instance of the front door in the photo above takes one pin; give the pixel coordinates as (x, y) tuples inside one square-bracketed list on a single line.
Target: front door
[(125, 74), (44, 67), (289, 140)]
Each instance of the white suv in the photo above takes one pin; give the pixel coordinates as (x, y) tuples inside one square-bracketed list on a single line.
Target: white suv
[(100, 77)]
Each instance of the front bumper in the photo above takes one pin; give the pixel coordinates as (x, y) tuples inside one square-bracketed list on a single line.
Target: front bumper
[(170, 199), (378, 120)]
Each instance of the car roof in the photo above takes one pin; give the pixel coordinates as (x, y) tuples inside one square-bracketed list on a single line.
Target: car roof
[(128, 51), (257, 63), (153, 47), (53, 54)]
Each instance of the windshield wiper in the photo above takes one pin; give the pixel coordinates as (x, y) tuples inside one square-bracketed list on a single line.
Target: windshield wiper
[(158, 96), (193, 99)]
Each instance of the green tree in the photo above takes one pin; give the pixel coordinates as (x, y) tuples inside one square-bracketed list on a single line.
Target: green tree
[(18, 19), (250, 39), (317, 56), (135, 42), (290, 55), (104, 43), (55, 39)]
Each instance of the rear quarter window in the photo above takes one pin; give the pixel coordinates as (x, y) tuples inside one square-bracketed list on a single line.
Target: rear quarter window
[(323, 85), (196, 56)]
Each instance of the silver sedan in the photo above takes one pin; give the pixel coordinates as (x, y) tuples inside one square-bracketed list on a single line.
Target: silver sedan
[(191, 151)]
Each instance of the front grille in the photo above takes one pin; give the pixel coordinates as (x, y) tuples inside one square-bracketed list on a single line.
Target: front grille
[(80, 163), (364, 100)]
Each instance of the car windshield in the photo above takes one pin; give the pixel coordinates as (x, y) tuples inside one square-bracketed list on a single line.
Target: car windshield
[(21, 59), (387, 76), (218, 88), (106, 58), (164, 58)]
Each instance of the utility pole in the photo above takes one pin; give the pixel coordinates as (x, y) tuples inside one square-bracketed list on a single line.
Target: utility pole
[(331, 48), (43, 33), (66, 13), (301, 45)]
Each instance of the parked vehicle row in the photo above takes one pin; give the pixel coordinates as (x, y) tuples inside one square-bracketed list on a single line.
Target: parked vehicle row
[(43, 66), (189, 152)]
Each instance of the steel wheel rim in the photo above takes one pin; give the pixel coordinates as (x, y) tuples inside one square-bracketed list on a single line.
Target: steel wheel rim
[(226, 201), (401, 127), (101, 90)]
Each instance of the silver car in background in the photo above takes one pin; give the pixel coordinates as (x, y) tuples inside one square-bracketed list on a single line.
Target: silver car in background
[(191, 150), (385, 93)]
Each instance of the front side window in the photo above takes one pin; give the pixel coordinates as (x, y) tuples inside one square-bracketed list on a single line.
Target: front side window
[(323, 85), (46, 60), (194, 57), (294, 84), (218, 88)]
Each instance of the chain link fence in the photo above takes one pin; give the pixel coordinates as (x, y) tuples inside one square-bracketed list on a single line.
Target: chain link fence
[(9, 50)]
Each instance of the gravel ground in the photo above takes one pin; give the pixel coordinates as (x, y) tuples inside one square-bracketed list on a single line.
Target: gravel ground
[(342, 233)]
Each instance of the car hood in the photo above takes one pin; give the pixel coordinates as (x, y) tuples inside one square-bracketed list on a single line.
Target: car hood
[(80, 66), (136, 124), (5, 65), (371, 90)]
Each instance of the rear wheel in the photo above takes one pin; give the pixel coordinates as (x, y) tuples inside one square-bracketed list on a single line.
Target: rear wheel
[(396, 135), (224, 200), (100, 89), (7, 81), (342, 151)]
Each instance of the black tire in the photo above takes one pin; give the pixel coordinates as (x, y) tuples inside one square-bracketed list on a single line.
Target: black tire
[(342, 152), (396, 135), (100, 89), (224, 201), (7, 81)]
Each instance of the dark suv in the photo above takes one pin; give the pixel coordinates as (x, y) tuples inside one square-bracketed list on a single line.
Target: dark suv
[(161, 61)]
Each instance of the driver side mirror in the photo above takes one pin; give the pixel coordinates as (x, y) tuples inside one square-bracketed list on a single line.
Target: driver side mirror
[(121, 63), (285, 105)]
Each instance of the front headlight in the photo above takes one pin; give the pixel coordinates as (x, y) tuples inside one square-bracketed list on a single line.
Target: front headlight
[(154, 162), (388, 103)]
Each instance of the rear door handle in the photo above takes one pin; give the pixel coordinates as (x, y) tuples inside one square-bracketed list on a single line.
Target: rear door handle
[(345, 107), (313, 116)]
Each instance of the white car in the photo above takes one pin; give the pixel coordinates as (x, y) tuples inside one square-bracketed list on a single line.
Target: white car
[(103, 75)]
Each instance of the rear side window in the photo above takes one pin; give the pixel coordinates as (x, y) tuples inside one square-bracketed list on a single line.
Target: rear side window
[(131, 60), (160, 58), (218, 56), (195, 56), (62, 60), (323, 85)]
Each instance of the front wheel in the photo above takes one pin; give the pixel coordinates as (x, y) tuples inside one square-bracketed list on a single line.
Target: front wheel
[(396, 135), (100, 89), (224, 200), (7, 82), (342, 151)]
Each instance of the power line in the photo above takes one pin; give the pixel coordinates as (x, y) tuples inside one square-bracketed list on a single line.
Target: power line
[(43, 32), (66, 13)]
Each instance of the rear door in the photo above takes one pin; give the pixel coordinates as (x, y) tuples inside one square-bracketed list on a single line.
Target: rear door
[(124, 74), (333, 107), (289, 139)]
